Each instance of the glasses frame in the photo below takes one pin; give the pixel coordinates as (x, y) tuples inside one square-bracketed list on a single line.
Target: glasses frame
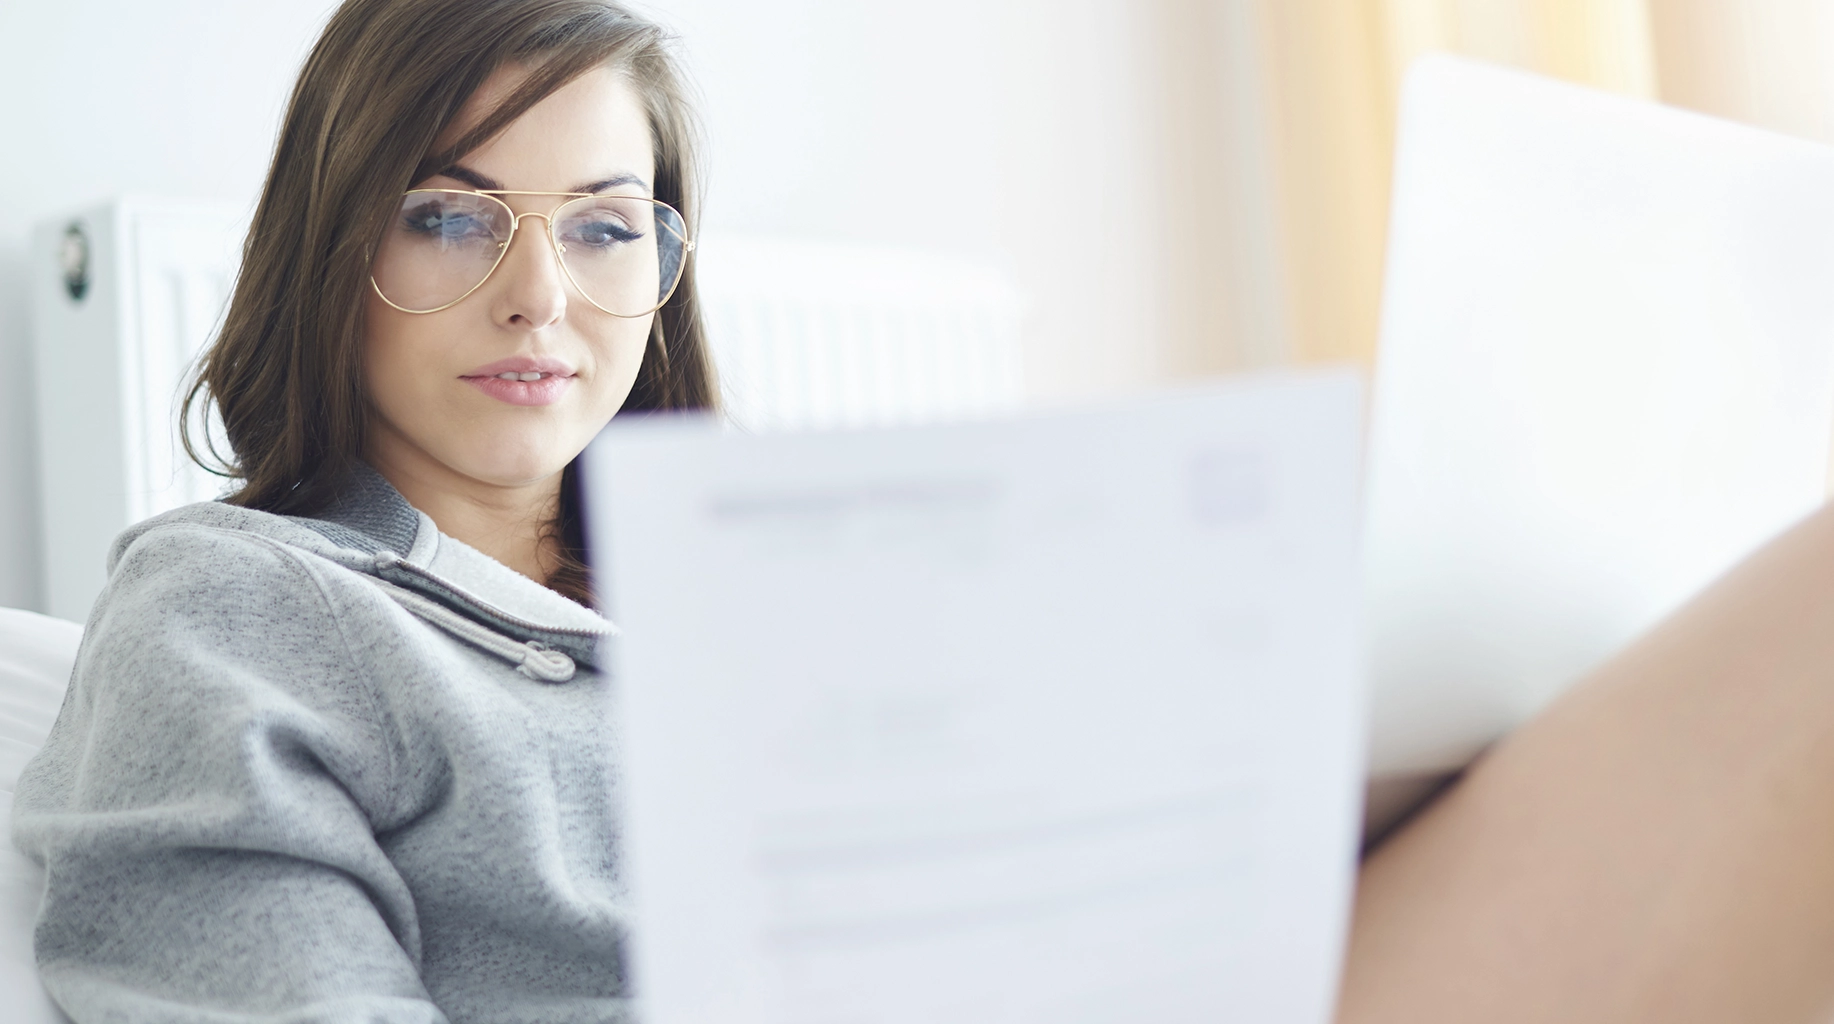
[(515, 224)]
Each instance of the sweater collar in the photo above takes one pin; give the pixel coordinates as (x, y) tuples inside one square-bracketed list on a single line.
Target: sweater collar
[(405, 548), (369, 515)]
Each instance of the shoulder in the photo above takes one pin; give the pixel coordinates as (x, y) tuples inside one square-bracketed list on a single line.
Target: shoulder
[(215, 556), (213, 654), (220, 584), (204, 630), (188, 553), (191, 570), (202, 525)]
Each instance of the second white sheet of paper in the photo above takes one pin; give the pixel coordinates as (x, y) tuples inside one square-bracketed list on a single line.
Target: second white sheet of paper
[(1051, 719)]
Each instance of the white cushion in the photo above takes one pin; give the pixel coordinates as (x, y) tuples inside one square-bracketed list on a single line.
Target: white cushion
[(36, 654)]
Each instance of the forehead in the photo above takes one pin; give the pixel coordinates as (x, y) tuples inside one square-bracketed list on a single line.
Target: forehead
[(592, 128)]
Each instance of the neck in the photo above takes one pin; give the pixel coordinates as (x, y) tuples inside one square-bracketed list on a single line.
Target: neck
[(507, 522)]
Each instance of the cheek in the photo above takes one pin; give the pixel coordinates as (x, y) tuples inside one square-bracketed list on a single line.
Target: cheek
[(618, 350), (395, 347)]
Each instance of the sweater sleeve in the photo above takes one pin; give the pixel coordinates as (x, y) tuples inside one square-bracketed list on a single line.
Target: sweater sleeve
[(208, 802)]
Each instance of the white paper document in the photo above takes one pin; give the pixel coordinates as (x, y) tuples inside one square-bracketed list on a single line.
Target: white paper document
[(1051, 719), (1606, 377)]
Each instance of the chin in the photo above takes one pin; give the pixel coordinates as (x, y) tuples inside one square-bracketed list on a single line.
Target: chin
[(512, 464)]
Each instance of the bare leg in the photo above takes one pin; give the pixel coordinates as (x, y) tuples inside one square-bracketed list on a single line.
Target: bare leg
[(1659, 846)]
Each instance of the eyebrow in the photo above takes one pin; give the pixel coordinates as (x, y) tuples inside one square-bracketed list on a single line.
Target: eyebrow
[(486, 183)]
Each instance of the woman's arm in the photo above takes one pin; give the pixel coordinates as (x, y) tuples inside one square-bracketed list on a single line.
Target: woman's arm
[(208, 802), (1659, 846)]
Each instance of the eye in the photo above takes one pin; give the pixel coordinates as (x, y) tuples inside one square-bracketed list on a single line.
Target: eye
[(436, 220), (599, 230)]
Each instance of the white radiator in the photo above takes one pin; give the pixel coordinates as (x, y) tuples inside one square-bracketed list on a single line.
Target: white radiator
[(124, 296), (813, 335), (804, 335)]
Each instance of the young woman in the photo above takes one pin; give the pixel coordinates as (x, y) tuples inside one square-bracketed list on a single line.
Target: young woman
[(333, 750)]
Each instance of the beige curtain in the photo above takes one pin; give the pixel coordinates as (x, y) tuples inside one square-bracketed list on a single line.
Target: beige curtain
[(1279, 121)]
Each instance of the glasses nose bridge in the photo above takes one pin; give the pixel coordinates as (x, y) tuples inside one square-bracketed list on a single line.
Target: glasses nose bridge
[(515, 227), (515, 221)]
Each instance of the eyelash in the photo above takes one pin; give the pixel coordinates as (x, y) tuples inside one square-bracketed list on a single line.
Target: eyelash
[(618, 235)]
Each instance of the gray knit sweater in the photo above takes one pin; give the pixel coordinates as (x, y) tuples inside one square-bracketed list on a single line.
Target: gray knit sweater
[(337, 769)]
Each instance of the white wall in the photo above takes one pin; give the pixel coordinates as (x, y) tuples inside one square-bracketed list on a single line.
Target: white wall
[(1020, 132), (108, 96), (1014, 132)]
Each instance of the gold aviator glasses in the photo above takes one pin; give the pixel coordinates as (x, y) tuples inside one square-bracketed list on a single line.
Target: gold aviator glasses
[(625, 254)]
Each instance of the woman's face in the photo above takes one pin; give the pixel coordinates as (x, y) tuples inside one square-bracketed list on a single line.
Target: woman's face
[(439, 404)]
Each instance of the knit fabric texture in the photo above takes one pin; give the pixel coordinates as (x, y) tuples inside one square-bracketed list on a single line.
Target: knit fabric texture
[(276, 794)]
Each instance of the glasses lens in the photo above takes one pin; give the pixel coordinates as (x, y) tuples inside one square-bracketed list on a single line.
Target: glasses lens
[(439, 247), (625, 253)]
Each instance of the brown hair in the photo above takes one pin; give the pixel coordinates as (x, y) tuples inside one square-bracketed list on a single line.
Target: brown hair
[(386, 78)]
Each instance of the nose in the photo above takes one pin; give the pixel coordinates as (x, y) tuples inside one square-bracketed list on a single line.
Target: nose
[(533, 294)]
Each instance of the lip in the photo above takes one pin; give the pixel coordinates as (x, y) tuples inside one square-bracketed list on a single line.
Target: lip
[(524, 364), (546, 391)]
